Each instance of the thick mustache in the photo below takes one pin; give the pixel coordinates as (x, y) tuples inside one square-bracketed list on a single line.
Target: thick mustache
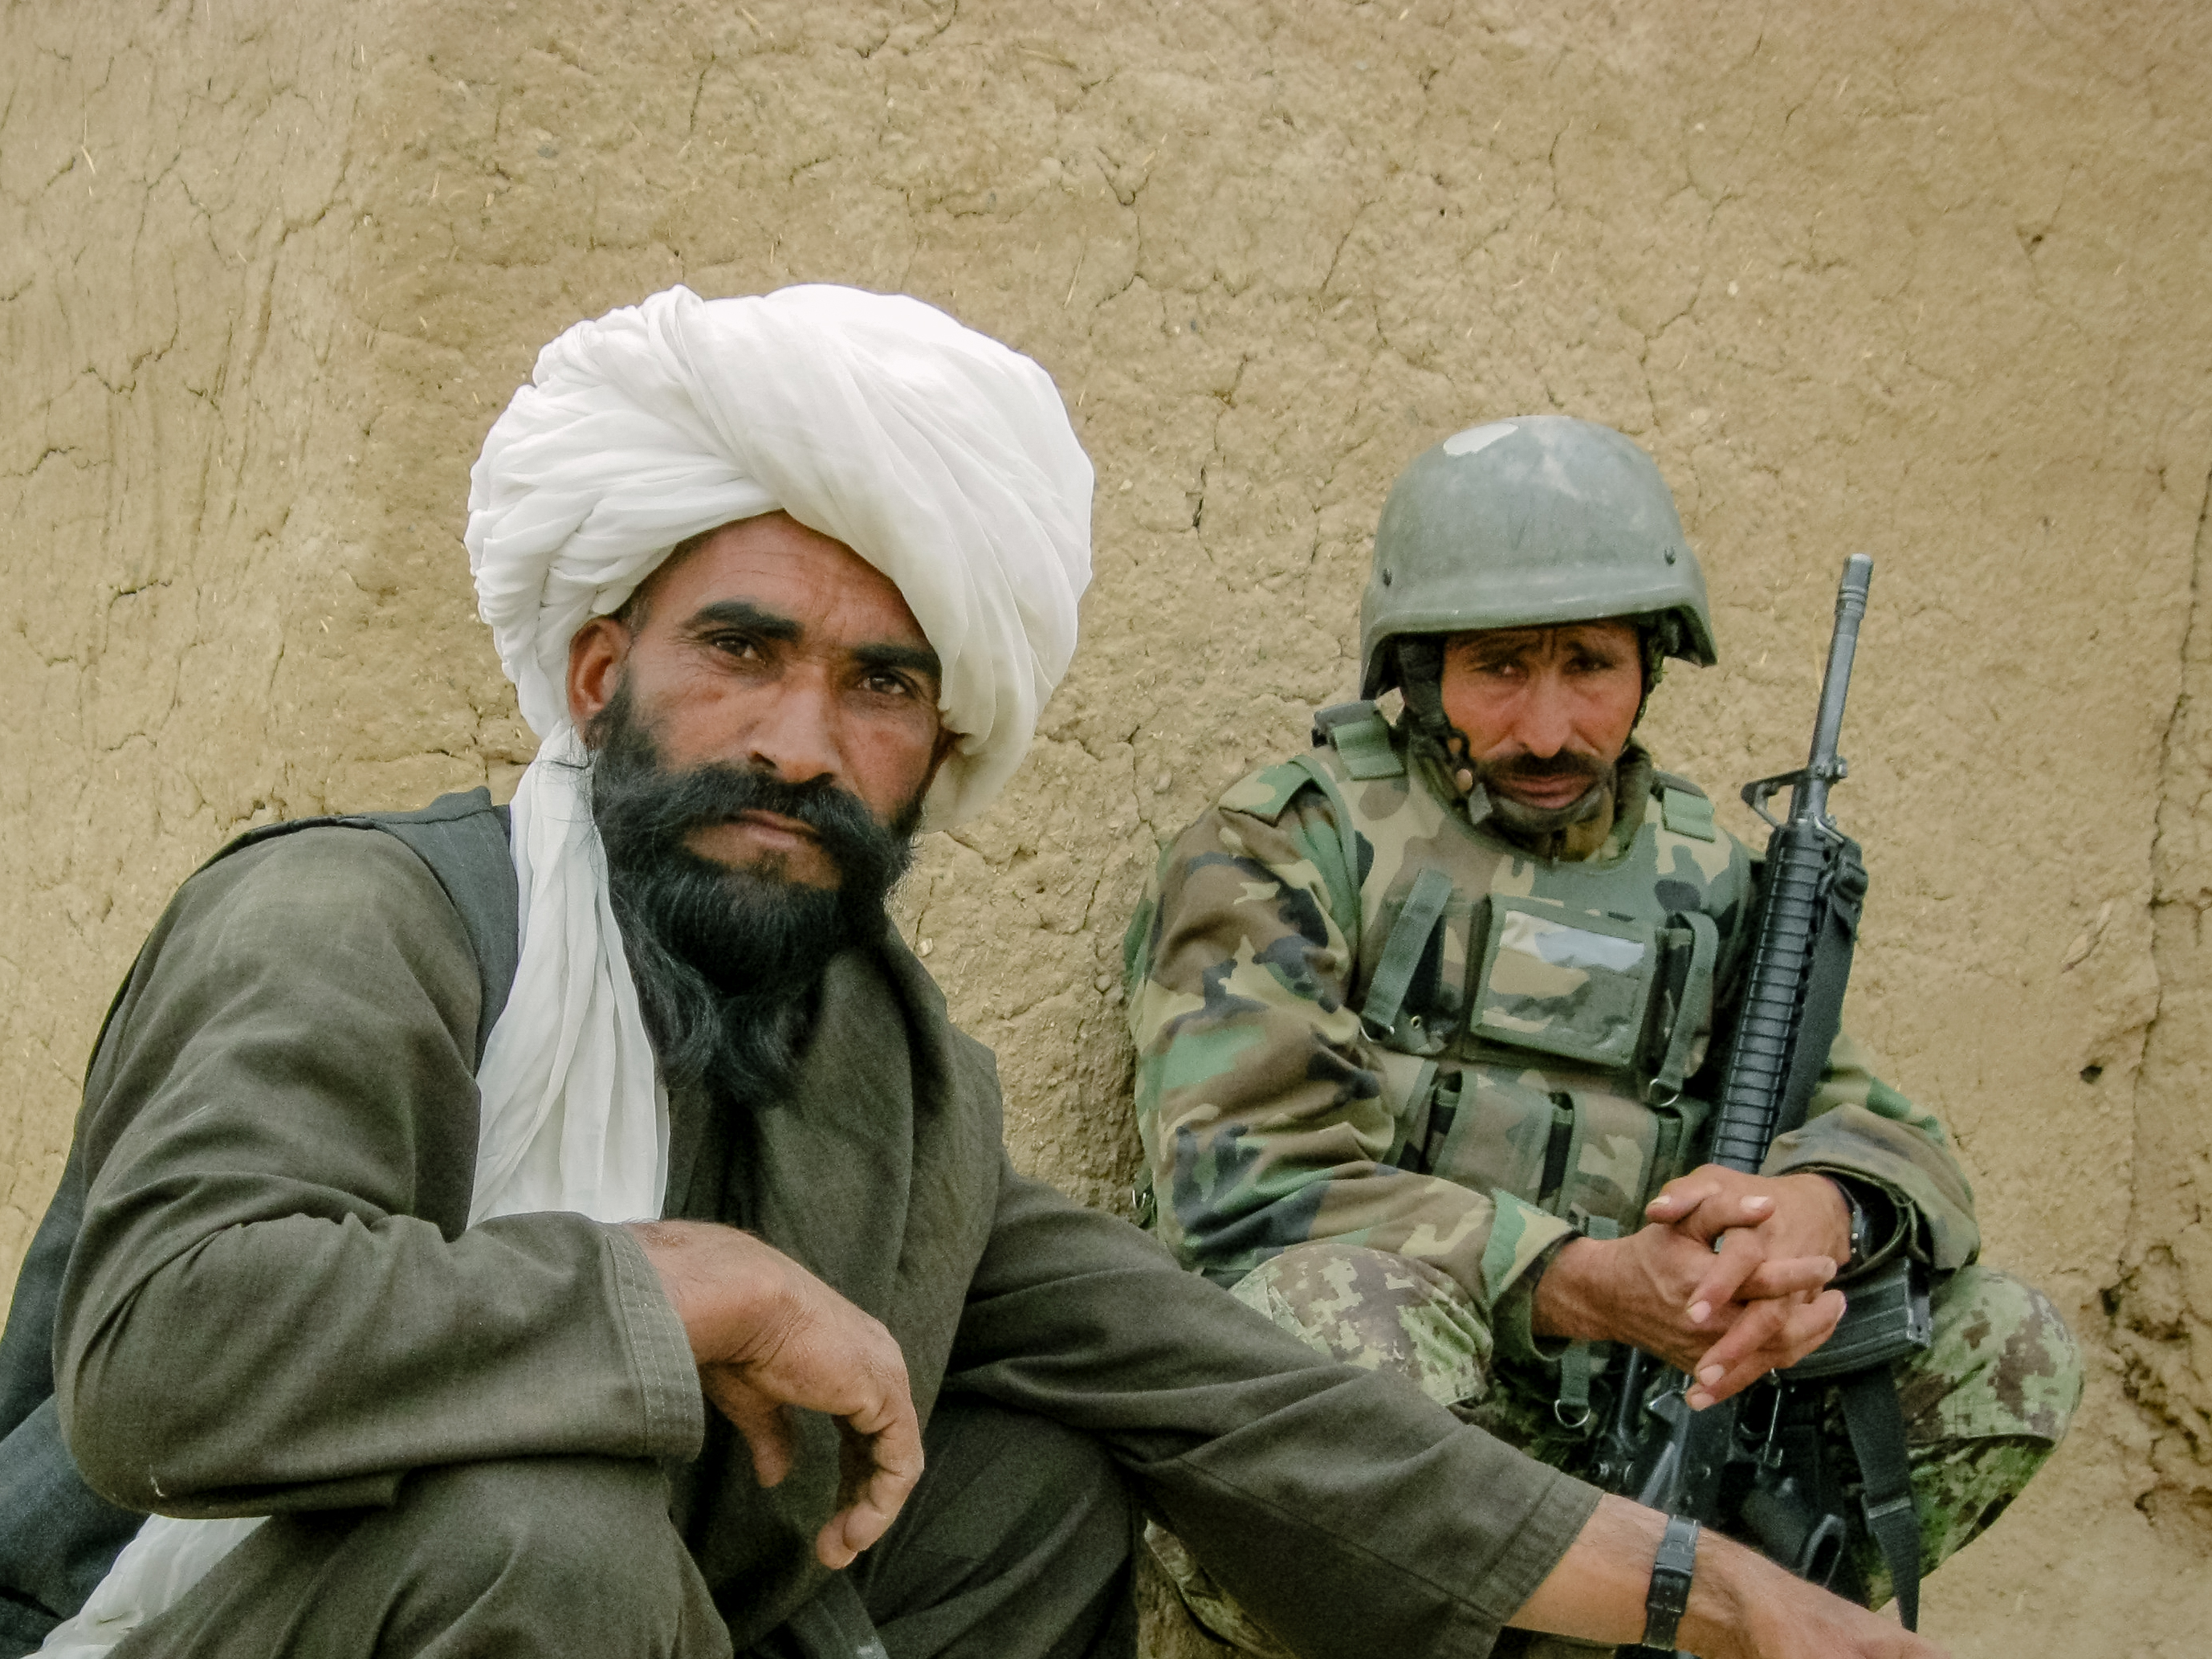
[(716, 793), (1561, 765)]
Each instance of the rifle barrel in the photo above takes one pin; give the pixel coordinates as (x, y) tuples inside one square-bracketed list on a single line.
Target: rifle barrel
[(1810, 799)]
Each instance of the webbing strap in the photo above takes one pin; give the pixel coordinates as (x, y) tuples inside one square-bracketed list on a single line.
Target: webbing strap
[(1686, 812), (1365, 746), (1691, 1011), (1876, 1423), (1403, 950), (1347, 836), (1572, 1407)]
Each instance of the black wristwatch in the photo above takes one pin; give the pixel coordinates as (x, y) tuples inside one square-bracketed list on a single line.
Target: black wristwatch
[(1860, 1240), (1670, 1583), (1863, 1239)]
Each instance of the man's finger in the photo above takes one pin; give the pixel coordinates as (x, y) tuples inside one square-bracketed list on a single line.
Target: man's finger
[(892, 1460), (1771, 1335), (1709, 1200), (1680, 1197), (1727, 1365), (1726, 1281), (1814, 1325), (1738, 1257), (760, 1419)]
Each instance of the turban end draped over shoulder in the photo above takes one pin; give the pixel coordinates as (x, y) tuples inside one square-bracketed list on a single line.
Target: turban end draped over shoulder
[(941, 457)]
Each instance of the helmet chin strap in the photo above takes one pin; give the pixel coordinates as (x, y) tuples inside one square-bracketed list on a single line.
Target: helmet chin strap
[(1659, 637)]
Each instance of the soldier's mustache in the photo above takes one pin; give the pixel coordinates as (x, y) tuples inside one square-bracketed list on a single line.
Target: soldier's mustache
[(1564, 764)]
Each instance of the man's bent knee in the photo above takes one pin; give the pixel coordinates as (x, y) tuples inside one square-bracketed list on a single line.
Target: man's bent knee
[(553, 1554), (1984, 1406), (2002, 1365), (560, 1527), (1377, 1310)]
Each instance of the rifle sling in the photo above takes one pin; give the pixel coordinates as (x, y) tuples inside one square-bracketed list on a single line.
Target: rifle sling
[(1875, 1421)]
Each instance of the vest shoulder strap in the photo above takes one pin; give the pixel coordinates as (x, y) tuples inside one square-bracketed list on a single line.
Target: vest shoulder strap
[(463, 838), (1684, 809), (1360, 734)]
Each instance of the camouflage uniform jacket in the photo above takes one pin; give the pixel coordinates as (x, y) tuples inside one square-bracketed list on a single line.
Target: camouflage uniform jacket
[(1472, 1094)]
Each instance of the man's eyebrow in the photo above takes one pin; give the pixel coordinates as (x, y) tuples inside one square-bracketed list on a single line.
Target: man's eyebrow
[(1505, 642), (919, 658), (742, 613)]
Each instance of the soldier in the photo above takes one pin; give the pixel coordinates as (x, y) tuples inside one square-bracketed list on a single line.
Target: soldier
[(1428, 1022)]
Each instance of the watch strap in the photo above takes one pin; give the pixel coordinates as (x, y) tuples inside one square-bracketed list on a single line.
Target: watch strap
[(1861, 1245), (1670, 1583)]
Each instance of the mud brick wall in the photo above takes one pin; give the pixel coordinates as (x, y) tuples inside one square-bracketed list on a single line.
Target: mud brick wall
[(1925, 280)]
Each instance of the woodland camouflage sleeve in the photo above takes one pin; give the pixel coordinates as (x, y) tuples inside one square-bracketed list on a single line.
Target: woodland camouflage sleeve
[(1266, 1119), (1859, 1127)]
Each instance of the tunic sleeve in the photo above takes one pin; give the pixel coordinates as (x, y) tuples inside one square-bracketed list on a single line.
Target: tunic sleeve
[(272, 1304), (1413, 1532)]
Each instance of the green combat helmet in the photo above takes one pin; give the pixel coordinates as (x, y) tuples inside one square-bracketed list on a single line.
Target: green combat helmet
[(1538, 519)]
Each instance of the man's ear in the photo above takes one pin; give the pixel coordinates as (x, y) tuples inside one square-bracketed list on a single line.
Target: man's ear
[(946, 737), (596, 656)]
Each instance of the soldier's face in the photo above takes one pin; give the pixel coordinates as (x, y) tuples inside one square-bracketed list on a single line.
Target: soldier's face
[(772, 649), (1546, 711)]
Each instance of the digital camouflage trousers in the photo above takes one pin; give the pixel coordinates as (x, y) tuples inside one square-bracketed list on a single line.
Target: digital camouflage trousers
[(1985, 1405)]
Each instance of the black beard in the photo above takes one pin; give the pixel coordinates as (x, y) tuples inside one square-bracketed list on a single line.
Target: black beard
[(726, 958)]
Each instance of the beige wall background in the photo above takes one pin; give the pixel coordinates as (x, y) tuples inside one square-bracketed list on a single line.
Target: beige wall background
[(1923, 279)]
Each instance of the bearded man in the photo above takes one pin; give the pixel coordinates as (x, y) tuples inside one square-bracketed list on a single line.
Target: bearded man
[(423, 1203)]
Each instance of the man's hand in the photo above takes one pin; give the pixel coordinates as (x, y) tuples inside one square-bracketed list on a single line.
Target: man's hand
[(1741, 1605), (1728, 1318), (767, 1334)]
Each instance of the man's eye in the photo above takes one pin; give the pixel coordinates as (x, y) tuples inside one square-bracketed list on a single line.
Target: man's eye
[(889, 684), (743, 647)]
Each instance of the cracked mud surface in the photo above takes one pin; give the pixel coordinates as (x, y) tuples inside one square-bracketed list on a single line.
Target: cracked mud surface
[(1923, 282)]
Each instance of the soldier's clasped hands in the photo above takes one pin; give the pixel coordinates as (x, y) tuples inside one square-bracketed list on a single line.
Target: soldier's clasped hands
[(1726, 1282)]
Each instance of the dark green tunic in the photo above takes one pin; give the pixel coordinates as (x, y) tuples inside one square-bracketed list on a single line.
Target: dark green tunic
[(274, 1304)]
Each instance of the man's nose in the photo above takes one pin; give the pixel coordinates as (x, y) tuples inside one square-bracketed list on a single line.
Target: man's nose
[(1545, 721), (793, 735)]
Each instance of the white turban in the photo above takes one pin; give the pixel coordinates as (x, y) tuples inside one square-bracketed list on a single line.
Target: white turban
[(941, 457)]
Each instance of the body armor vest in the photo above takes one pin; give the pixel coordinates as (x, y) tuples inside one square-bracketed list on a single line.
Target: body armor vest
[(1534, 1020)]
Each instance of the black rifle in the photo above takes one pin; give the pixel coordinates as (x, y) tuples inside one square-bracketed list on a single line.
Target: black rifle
[(1705, 1464)]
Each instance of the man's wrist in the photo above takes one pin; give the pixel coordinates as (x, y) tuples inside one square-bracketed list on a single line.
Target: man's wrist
[(721, 1281), (1874, 1221), (1565, 1304), (1713, 1621), (1824, 1191), (1674, 1571)]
